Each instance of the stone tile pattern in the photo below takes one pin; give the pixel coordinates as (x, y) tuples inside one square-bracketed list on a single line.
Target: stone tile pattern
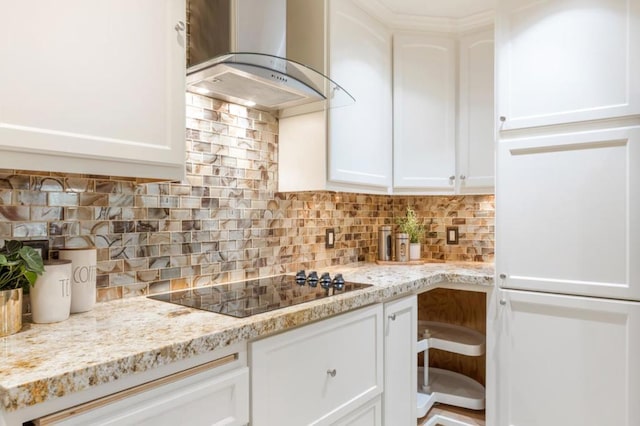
[(226, 221)]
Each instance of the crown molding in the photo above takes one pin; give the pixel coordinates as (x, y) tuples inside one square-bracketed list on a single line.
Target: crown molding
[(399, 21)]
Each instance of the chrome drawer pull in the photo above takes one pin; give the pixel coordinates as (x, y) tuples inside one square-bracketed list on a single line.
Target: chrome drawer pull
[(332, 373)]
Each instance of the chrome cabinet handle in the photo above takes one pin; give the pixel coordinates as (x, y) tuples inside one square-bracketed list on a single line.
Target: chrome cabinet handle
[(503, 118), (331, 373), (503, 302), (392, 317), (180, 26), (452, 177), (462, 177), (503, 276)]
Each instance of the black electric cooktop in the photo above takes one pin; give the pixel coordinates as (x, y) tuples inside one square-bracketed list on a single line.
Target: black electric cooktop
[(245, 298)]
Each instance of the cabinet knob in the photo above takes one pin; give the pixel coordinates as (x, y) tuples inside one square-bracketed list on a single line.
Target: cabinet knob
[(452, 177), (331, 373), (503, 276), (462, 177), (180, 26), (392, 317), (503, 118), (503, 302)]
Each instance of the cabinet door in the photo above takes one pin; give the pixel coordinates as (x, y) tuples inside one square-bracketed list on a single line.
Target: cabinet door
[(400, 361), (564, 61), (567, 360), (476, 140), (204, 399), (568, 208), (318, 373), (93, 87), (424, 107), (360, 135), (370, 414)]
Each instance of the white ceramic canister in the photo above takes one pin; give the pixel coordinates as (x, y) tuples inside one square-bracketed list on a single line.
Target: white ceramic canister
[(83, 277), (51, 294)]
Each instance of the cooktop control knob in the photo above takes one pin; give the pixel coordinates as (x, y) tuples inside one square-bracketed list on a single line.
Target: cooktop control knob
[(301, 277), (325, 281), (312, 279), (338, 282)]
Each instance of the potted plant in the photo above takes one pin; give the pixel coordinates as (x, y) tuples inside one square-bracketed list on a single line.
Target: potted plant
[(411, 225), (20, 266)]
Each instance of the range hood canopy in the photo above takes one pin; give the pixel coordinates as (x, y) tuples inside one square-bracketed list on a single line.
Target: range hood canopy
[(266, 82), (257, 72)]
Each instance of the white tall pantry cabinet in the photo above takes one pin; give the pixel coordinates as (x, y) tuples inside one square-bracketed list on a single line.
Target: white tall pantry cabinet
[(564, 338)]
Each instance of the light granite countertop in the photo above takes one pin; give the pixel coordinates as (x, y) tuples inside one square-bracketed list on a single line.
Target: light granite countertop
[(119, 338)]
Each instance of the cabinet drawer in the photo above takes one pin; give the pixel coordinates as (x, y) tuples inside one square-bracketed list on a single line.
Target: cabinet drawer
[(318, 372), (202, 395)]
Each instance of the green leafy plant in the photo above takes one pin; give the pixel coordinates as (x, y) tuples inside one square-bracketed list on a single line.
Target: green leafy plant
[(20, 265), (410, 224)]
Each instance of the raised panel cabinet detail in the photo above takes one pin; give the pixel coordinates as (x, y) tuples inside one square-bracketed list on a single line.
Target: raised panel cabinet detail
[(424, 105), (567, 360), (564, 61), (556, 195), (318, 373), (93, 87)]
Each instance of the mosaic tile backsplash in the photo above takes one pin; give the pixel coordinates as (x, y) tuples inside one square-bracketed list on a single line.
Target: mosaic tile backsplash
[(227, 221)]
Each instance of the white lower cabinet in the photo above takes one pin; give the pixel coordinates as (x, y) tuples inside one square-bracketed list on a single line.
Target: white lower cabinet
[(566, 360), (320, 373), (215, 393), (400, 362), (369, 414)]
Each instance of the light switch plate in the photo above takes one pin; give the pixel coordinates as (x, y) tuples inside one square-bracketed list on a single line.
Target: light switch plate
[(330, 238), (452, 235)]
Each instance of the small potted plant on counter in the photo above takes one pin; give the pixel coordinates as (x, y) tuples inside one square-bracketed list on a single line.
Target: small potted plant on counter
[(20, 266), (411, 225)]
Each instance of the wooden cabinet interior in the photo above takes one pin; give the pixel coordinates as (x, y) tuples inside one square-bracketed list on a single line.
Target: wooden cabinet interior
[(465, 308)]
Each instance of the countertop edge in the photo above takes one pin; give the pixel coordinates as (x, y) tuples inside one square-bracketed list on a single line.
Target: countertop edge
[(30, 393)]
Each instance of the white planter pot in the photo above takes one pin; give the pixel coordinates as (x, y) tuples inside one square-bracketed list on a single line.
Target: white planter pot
[(51, 294), (83, 278), (414, 251)]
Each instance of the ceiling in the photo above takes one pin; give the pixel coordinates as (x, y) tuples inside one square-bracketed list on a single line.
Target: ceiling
[(438, 8), (450, 16)]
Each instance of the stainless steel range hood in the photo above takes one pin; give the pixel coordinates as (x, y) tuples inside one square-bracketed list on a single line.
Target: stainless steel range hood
[(255, 73)]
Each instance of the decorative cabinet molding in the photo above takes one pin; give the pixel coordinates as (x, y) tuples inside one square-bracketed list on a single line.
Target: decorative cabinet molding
[(93, 88), (562, 62)]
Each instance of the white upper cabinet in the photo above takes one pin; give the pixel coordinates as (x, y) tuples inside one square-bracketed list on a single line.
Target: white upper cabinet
[(346, 148), (360, 135), (476, 129), (93, 87), (565, 61), (435, 150), (568, 206), (424, 108)]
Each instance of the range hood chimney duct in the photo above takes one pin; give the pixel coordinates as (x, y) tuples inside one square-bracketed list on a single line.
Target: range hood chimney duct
[(237, 52)]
